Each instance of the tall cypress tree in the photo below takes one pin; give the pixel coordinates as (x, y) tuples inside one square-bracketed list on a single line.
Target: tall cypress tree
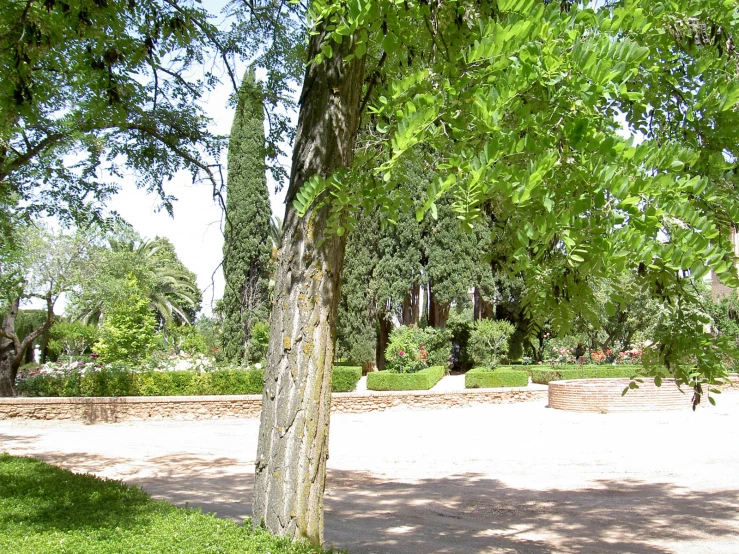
[(246, 249)]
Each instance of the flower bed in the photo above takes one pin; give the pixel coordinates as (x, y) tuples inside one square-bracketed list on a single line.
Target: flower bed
[(93, 380), (484, 377), (421, 380)]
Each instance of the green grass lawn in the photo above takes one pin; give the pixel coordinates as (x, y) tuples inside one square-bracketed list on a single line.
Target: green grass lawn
[(44, 509)]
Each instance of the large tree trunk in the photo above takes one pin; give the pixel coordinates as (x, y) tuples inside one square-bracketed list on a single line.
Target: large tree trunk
[(9, 358), (432, 307), (294, 427), (482, 308), (412, 305), (383, 337), (441, 312), (12, 349)]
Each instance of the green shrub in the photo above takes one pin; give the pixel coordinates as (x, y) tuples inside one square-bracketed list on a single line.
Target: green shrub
[(421, 380), (113, 381), (71, 339), (489, 341), (411, 349), (235, 381), (121, 381), (483, 377), (345, 378), (544, 375), (259, 342)]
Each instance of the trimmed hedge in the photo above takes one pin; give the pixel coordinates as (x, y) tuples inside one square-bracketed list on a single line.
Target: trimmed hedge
[(484, 378), (421, 380), (544, 375), (118, 382), (345, 378)]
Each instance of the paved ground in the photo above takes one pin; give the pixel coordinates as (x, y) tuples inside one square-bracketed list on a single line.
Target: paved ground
[(493, 479)]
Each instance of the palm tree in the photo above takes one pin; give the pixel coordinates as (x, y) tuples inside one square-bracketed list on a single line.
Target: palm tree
[(171, 288), (275, 232)]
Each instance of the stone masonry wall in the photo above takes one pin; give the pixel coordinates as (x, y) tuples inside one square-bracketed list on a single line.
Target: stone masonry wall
[(605, 395), (110, 410)]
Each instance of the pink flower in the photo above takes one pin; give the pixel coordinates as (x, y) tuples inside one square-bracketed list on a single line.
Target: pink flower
[(401, 352)]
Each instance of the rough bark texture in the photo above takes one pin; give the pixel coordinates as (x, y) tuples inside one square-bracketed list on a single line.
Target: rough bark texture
[(482, 308), (12, 349), (8, 351), (412, 306), (384, 326), (441, 313), (293, 435)]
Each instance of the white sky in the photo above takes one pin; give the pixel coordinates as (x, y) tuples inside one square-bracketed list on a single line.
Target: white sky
[(195, 229)]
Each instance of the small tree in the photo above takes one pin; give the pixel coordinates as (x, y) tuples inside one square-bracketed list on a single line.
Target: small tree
[(72, 339), (37, 264), (489, 339), (128, 330)]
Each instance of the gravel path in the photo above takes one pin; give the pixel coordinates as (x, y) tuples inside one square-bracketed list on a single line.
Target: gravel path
[(493, 479)]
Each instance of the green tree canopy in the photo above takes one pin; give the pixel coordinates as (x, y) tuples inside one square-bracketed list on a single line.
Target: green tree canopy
[(36, 264), (170, 287), (249, 228), (92, 87), (601, 134)]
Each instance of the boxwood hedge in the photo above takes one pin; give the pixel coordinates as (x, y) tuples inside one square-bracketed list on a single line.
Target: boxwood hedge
[(122, 382), (421, 380), (345, 378), (544, 375), (484, 377)]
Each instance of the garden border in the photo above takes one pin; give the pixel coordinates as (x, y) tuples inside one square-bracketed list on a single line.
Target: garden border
[(127, 408), (604, 395)]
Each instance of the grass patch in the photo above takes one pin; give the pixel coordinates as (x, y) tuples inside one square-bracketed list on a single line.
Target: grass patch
[(483, 377), (345, 378), (47, 509), (421, 380)]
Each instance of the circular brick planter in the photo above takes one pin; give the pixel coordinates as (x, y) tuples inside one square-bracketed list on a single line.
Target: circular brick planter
[(604, 395)]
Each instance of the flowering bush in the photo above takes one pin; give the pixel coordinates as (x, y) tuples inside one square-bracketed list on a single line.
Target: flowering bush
[(630, 357), (412, 349), (563, 355)]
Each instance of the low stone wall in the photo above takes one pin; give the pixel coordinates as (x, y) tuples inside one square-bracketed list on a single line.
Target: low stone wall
[(605, 395), (110, 410), (352, 403)]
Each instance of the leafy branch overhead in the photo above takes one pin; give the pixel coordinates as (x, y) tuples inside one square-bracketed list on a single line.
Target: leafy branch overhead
[(606, 134), (91, 88)]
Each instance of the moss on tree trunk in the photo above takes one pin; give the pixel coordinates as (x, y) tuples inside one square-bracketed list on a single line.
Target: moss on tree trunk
[(294, 427)]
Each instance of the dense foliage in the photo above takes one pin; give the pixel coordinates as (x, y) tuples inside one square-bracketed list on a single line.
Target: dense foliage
[(413, 348), (170, 287), (176, 376), (127, 332), (421, 380), (489, 341), (246, 247), (598, 135), (91, 88), (483, 377)]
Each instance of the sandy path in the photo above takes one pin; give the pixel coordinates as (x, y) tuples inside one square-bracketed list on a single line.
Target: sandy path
[(494, 479)]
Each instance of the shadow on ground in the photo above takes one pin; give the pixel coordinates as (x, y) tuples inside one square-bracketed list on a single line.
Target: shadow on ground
[(466, 513), (472, 513)]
